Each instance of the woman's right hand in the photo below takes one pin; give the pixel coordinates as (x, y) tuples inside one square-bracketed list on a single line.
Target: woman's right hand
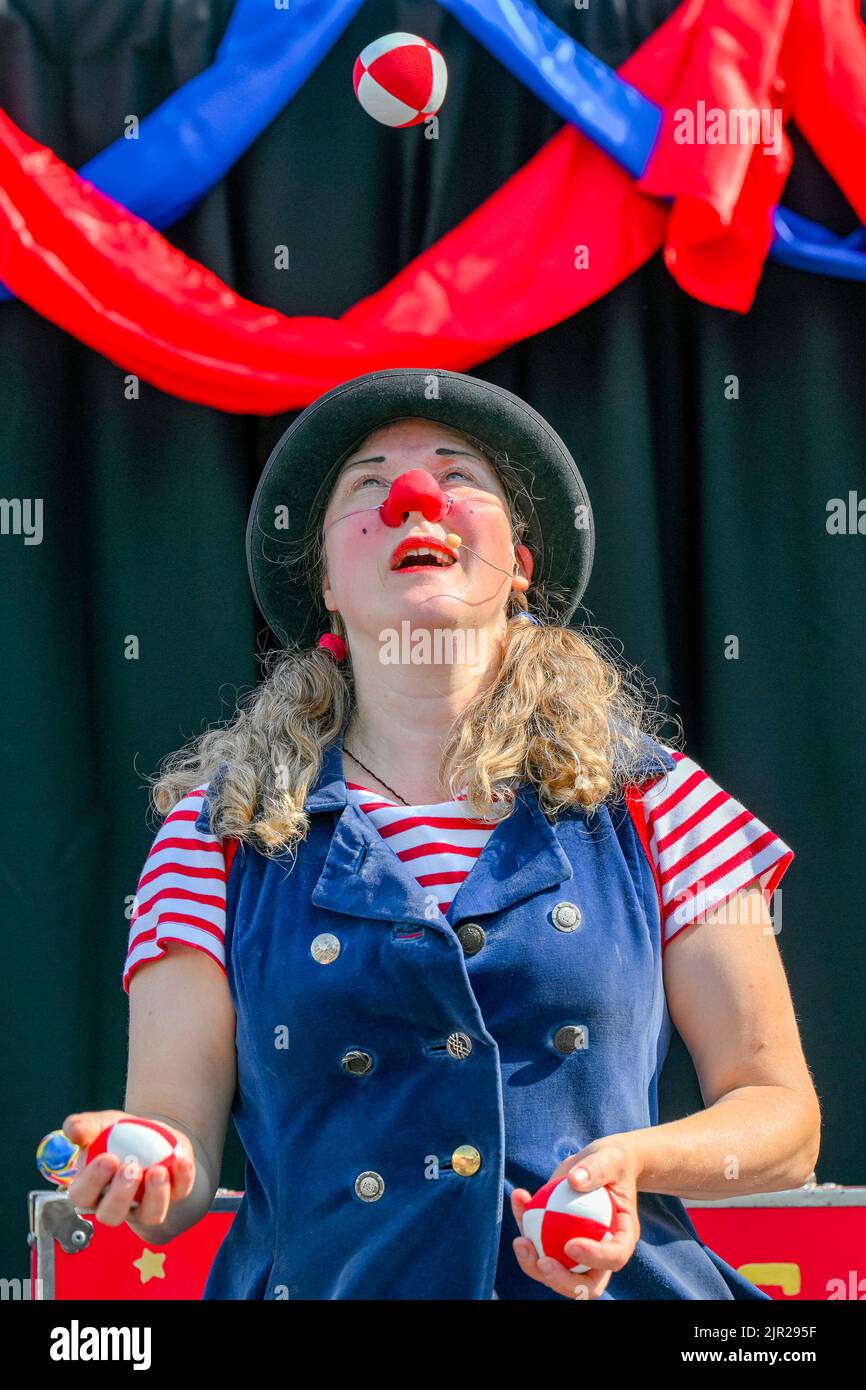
[(107, 1186)]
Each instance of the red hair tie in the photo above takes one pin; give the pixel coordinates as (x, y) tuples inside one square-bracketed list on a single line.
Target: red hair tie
[(335, 645)]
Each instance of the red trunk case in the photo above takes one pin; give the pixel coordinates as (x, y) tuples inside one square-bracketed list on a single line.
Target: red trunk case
[(803, 1244)]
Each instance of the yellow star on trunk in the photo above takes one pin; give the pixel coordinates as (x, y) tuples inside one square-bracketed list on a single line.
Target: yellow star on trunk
[(150, 1265)]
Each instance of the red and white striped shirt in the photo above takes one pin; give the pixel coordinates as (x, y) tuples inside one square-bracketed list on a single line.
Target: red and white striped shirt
[(181, 894), (438, 843), (702, 844)]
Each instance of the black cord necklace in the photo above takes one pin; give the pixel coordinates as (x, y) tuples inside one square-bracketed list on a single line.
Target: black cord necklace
[(373, 774)]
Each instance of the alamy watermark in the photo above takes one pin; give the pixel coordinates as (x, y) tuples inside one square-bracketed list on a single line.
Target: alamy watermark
[(734, 125), (22, 516), (28, 1290), (432, 647)]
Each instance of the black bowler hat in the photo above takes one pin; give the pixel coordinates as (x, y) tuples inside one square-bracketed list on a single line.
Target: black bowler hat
[(297, 479)]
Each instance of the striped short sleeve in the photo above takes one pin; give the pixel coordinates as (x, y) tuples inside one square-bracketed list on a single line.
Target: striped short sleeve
[(703, 844), (181, 894)]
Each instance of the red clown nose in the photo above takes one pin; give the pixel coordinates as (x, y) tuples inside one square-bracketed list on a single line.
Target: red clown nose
[(415, 491)]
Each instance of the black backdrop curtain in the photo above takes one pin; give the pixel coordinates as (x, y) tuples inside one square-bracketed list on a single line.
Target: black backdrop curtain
[(711, 519)]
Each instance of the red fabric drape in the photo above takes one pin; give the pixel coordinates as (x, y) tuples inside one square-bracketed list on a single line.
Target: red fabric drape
[(110, 279)]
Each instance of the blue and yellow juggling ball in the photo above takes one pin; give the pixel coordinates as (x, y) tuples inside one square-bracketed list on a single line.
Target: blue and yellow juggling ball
[(55, 1158)]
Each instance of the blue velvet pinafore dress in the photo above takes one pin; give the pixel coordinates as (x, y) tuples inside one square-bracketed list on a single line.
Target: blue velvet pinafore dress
[(398, 1075)]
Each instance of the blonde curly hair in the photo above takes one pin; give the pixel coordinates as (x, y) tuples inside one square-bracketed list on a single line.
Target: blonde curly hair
[(562, 712)]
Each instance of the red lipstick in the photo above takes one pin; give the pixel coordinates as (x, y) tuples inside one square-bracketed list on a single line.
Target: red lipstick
[(410, 543)]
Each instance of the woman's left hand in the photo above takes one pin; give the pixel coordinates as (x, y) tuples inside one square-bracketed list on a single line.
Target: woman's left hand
[(608, 1164)]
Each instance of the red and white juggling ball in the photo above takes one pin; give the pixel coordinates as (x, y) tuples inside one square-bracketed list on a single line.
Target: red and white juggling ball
[(150, 1142), (399, 79), (558, 1214)]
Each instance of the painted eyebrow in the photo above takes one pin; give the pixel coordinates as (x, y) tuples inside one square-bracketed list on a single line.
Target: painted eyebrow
[(381, 458)]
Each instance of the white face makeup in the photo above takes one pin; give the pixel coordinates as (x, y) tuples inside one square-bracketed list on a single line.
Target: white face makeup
[(362, 582), (369, 472)]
